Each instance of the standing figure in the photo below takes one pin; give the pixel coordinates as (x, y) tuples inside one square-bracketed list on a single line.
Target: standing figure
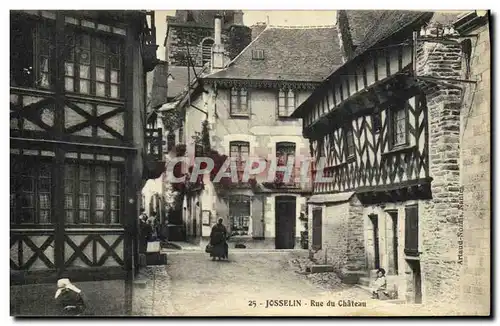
[(218, 238), (145, 232), (69, 298)]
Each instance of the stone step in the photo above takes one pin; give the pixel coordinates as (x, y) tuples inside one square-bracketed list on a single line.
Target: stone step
[(365, 281), (320, 268), (156, 258)]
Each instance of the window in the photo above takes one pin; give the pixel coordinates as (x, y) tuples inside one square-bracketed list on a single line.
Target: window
[(239, 102), (258, 54), (92, 194), (93, 65), (239, 214), (31, 52), (206, 50), (349, 141), (240, 151), (376, 122), (286, 103), (399, 125), (285, 151), (30, 191)]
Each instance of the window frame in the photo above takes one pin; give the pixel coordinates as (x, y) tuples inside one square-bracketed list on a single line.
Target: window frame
[(35, 162), (76, 31), (116, 37), (240, 145), (203, 49), (287, 107), (93, 193), (393, 110), (349, 134), (247, 218), (36, 25), (257, 54), (236, 92)]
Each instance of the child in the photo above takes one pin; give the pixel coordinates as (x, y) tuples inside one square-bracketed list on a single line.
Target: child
[(69, 298), (379, 286)]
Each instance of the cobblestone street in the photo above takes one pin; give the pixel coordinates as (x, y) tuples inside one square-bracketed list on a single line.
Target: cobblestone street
[(201, 287)]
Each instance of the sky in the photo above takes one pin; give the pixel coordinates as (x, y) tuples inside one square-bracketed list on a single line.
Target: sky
[(250, 17)]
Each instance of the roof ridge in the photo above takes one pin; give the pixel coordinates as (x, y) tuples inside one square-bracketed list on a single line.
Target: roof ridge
[(301, 26)]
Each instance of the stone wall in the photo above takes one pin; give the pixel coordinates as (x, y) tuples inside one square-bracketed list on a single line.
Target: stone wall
[(343, 244), (356, 258), (475, 151), (182, 38), (439, 217)]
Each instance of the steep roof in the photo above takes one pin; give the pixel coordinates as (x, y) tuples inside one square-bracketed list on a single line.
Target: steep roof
[(290, 53), (360, 22), (389, 23), (178, 79)]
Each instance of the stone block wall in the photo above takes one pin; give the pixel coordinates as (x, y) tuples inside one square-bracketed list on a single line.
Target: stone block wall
[(182, 38), (439, 217), (342, 236), (476, 177)]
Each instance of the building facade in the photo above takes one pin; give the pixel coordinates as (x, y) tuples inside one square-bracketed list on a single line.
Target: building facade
[(389, 123), (247, 105), (80, 150)]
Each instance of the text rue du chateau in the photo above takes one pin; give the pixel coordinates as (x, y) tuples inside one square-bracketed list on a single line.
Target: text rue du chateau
[(314, 303)]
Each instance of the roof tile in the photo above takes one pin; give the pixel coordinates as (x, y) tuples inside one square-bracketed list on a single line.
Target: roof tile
[(290, 53)]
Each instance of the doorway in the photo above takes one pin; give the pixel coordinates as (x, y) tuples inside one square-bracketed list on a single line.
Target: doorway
[(416, 280), (376, 248), (285, 222)]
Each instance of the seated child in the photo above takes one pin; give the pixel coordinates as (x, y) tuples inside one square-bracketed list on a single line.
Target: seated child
[(379, 286), (69, 298)]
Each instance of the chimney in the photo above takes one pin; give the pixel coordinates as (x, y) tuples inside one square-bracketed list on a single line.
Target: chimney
[(218, 58), (238, 17), (257, 28)]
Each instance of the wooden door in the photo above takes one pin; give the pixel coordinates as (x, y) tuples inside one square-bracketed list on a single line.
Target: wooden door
[(258, 218), (317, 228), (285, 222)]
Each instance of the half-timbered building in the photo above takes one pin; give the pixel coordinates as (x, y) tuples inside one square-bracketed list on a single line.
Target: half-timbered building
[(79, 150), (387, 125)]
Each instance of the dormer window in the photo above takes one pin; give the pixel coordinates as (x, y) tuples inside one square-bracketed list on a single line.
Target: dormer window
[(258, 54)]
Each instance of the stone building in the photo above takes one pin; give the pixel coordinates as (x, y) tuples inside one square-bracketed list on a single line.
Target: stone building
[(247, 105), (190, 34), (404, 127)]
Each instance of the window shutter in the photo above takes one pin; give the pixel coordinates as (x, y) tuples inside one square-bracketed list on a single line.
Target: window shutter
[(411, 231)]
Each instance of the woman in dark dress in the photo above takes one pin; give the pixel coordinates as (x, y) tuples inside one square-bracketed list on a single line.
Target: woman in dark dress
[(218, 238)]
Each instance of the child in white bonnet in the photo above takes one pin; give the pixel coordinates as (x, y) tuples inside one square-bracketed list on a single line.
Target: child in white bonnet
[(69, 298)]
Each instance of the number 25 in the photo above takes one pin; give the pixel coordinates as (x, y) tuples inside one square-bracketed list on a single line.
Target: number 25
[(252, 303)]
